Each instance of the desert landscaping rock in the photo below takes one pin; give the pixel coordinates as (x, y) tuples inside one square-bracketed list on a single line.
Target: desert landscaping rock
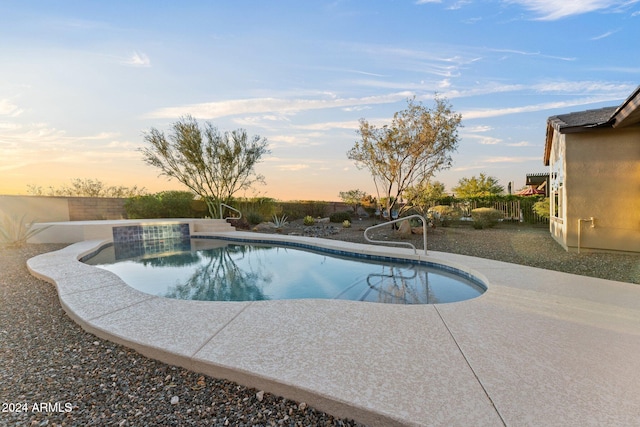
[(79, 380)]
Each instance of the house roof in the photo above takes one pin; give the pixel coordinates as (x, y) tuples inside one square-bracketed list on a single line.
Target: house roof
[(627, 114)]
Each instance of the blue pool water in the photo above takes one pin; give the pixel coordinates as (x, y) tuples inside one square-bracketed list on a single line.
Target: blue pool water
[(215, 270)]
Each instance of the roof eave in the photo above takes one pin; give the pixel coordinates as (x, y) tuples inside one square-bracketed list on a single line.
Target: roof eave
[(548, 142), (623, 115)]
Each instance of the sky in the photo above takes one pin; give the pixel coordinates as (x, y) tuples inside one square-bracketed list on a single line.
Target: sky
[(82, 81)]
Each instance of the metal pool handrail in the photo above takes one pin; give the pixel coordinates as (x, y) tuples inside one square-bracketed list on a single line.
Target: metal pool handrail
[(232, 208), (424, 232)]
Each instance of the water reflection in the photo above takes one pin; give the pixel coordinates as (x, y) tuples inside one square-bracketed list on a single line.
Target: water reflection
[(215, 270), (395, 287), (219, 278)]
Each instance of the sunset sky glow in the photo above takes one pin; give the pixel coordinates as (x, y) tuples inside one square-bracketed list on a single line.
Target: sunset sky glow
[(80, 82)]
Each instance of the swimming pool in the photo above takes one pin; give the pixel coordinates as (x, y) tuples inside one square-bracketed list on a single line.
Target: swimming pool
[(223, 270)]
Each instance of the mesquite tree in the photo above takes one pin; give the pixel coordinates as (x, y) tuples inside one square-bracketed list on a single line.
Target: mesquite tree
[(418, 142), (212, 164)]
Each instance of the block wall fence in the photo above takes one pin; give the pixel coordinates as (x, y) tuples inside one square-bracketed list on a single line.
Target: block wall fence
[(57, 209), (60, 209)]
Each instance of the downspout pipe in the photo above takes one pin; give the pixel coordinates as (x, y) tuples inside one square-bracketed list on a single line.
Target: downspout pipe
[(580, 221)]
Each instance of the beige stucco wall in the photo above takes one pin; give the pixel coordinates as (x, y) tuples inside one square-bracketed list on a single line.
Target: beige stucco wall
[(602, 180), (35, 208), (557, 171)]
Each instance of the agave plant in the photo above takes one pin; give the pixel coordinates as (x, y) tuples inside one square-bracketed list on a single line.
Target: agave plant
[(278, 223), (16, 231)]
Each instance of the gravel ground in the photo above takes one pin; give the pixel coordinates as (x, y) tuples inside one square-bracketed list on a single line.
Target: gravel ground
[(510, 242), (53, 373)]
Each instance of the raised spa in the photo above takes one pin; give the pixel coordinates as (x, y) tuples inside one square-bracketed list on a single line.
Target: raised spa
[(219, 270)]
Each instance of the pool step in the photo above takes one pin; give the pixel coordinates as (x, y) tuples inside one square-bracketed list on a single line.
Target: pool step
[(211, 226)]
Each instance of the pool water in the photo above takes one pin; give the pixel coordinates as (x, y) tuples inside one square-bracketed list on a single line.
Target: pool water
[(215, 270)]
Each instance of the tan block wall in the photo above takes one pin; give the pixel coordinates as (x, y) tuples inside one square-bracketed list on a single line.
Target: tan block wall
[(35, 208), (95, 208), (58, 209)]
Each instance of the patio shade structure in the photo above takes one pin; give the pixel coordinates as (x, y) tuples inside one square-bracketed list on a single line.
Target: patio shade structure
[(530, 191)]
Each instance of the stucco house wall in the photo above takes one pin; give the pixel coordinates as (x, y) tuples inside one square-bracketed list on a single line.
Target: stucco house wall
[(594, 165), (602, 180), (557, 193)]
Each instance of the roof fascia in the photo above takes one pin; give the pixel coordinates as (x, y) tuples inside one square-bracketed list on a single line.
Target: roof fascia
[(631, 104)]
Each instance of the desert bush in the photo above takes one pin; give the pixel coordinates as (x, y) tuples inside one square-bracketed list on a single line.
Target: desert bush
[(253, 217), (147, 206), (444, 215), (542, 208), (485, 217), (308, 220), (279, 222), (166, 204), (300, 209), (256, 209), (176, 204), (16, 231), (340, 217)]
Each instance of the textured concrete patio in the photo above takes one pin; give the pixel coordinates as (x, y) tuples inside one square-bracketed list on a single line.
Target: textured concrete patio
[(538, 348)]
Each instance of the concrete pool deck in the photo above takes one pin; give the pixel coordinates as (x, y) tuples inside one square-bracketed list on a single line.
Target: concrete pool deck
[(538, 348)]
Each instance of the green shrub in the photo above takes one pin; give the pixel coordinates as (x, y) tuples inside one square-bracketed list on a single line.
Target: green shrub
[(166, 204), (254, 218), (146, 206), (257, 208), (340, 217), (308, 220), (542, 208), (485, 217), (346, 224), (175, 204), (445, 214)]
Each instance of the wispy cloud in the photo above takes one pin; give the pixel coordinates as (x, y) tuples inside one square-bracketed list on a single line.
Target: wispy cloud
[(603, 36), (137, 59), (496, 112), (551, 10), (324, 126), (459, 4), (292, 167), (438, 59), (619, 90), (508, 159), (526, 53), (7, 108), (481, 128), (482, 139), (211, 110), (36, 143), (519, 144)]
